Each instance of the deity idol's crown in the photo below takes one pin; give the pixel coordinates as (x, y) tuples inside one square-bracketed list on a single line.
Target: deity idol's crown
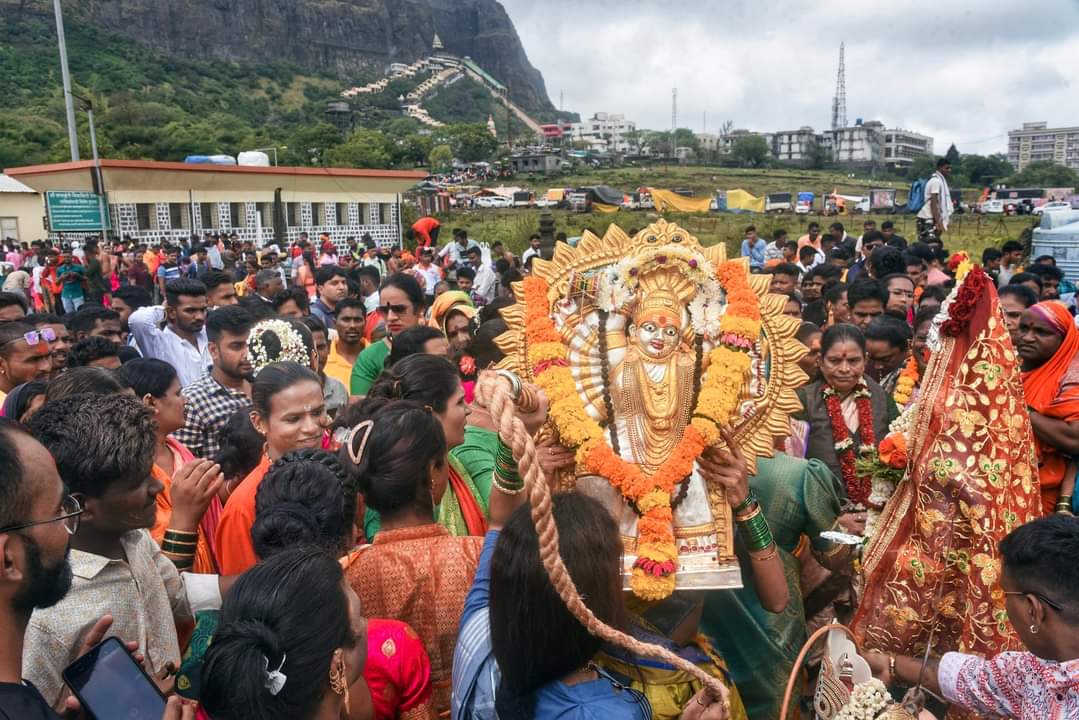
[(663, 294)]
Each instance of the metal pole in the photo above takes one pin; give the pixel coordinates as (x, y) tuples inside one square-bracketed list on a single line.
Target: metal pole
[(69, 102), (97, 170), (275, 156)]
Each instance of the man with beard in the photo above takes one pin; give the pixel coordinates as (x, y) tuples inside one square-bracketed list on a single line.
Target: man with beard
[(225, 388), (104, 450), (182, 341), (24, 355), (37, 519), (59, 347)]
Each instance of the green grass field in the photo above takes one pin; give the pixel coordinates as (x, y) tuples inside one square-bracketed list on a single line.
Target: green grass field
[(972, 233), (969, 232)]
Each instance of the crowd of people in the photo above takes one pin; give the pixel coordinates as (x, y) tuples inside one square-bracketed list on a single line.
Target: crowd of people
[(268, 472)]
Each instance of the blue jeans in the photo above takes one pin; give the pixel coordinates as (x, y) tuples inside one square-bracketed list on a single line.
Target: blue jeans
[(72, 304)]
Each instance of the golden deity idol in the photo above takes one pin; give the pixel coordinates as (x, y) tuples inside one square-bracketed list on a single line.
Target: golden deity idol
[(646, 347)]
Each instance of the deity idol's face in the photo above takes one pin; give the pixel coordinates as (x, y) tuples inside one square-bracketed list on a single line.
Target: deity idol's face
[(656, 338)]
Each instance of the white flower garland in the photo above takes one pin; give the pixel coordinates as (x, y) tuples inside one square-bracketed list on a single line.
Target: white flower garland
[(293, 347), (618, 283), (866, 701)]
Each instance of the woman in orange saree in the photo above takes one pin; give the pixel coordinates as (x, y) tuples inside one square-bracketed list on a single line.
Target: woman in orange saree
[(1048, 344), (934, 565)]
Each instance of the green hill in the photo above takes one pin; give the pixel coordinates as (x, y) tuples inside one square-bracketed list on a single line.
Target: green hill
[(148, 105)]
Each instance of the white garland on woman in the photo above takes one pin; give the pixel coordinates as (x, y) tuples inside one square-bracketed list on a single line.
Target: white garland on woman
[(293, 348), (866, 701)]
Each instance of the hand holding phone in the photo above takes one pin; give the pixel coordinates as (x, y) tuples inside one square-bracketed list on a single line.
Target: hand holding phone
[(110, 685)]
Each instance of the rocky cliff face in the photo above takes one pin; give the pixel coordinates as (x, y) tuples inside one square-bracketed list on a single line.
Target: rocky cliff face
[(339, 36)]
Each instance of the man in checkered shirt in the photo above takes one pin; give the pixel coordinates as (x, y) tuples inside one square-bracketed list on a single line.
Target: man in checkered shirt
[(225, 388)]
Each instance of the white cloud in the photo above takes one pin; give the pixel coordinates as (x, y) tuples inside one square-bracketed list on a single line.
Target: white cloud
[(962, 72)]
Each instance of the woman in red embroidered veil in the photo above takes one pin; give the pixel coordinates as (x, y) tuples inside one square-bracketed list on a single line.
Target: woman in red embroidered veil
[(934, 562)]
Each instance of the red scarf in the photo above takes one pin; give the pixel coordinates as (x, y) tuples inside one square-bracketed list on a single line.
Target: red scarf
[(470, 509)]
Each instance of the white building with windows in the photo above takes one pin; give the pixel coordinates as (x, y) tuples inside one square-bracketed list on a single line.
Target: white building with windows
[(901, 146), (606, 132), (796, 147), (1037, 142), (155, 202)]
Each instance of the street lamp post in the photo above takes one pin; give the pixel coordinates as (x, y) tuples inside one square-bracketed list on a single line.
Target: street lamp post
[(97, 163), (69, 105)]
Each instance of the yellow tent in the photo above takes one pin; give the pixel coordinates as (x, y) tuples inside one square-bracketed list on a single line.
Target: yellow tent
[(739, 199), (604, 208), (556, 194), (667, 200)]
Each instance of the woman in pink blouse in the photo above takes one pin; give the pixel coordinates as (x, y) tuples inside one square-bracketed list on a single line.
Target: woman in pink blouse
[(1040, 585)]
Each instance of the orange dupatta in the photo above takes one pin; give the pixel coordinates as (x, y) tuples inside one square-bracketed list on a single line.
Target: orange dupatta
[(1048, 392), (205, 561)]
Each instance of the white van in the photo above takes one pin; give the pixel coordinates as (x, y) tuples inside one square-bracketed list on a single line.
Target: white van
[(993, 207)]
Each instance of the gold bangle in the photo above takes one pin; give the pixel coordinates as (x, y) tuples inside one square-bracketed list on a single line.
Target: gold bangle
[(749, 515), (769, 556), (497, 481)]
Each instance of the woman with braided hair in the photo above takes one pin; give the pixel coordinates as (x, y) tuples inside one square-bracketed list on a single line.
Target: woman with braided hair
[(308, 499)]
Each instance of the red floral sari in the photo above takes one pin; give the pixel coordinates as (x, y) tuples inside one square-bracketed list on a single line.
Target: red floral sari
[(972, 478)]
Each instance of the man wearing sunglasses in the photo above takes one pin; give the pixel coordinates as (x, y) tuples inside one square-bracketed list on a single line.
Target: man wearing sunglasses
[(24, 355)]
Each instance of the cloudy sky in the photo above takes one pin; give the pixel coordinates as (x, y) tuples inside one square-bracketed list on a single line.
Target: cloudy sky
[(961, 72)]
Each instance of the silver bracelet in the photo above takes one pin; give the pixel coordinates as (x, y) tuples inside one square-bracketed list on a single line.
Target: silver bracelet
[(515, 383)]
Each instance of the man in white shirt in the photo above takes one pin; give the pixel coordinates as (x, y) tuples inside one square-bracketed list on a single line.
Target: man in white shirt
[(182, 341), (429, 272), (934, 215), (533, 249), (457, 249), (483, 287)]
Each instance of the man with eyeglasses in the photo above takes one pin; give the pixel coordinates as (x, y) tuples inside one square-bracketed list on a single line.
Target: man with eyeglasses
[(24, 355), (1039, 582), (37, 520)]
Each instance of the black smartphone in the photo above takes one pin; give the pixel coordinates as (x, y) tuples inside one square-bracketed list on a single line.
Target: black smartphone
[(110, 685)]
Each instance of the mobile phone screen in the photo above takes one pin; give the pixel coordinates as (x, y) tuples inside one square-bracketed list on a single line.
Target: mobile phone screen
[(111, 686)]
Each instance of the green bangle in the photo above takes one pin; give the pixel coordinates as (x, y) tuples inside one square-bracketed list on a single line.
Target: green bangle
[(750, 499), (505, 464), (756, 533)]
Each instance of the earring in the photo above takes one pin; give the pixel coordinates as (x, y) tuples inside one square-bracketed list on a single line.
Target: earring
[(339, 679), (1033, 629)]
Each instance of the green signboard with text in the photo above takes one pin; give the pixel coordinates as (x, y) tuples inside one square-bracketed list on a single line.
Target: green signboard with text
[(75, 211)]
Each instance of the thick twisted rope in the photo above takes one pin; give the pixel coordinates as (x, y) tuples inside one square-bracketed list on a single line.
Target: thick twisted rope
[(495, 395)]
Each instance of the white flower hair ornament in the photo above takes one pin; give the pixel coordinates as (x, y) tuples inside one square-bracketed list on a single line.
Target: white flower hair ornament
[(292, 346)]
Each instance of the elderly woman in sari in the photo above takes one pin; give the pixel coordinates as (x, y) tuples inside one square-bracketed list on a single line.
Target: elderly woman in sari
[(1048, 345)]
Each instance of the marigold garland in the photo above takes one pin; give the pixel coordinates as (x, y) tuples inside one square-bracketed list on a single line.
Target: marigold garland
[(906, 382), (653, 575)]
